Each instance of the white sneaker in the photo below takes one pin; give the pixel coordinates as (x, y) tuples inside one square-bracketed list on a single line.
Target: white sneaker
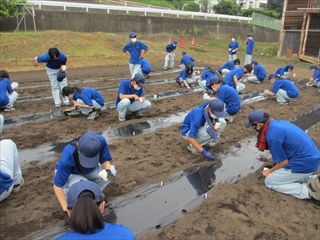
[(57, 105), (17, 185), (211, 144), (9, 109), (121, 119), (93, 115), (192, 149), (231, 119)]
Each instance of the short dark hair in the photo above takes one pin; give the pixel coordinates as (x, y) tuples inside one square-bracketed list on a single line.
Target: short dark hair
[(248, 67), (189, 69), (237, 61), (68, 90), (54, 53), (4, 74)]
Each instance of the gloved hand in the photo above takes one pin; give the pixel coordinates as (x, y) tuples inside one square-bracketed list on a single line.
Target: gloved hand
[(309, 84), (208, 154), (229, 49), (233, 50), (206, 96), (106, 175)]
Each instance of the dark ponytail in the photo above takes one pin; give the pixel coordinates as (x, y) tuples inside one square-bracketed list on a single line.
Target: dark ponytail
[(70, 90)]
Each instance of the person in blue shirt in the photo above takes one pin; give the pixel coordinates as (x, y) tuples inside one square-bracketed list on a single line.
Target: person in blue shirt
[(294, 153), (186, 60), (282, 89), (169, 55), (258, 75), (228, 66), (186, 77), (315, 79), (85, 206), (232, 79), (203, 125), (7, 94), (136, 50), (249, 48), (11, 178), (204, 80), (283, 72), (131, 98), (56, 61), (233, 48), (88, 100), (229, 96), (86, 158), (145, 68)]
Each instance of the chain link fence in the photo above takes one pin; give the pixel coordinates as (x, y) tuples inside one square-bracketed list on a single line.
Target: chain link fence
[(265, 21)]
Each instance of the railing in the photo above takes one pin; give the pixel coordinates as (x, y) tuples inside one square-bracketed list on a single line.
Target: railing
[(127, 9), (132, 4), (265, 21)]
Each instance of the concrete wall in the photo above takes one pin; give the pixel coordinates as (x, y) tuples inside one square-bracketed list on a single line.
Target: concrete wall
[(122, 24)]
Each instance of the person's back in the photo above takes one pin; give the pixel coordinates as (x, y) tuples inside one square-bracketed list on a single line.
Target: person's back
[(5, 86), (145, 66), (260, 72), (187, 60), (228, 65), (286, 85), (88, 94), (231, 98), (238, 72)]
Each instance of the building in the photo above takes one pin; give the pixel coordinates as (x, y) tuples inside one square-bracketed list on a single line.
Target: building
[(244, 3), (300, 30)]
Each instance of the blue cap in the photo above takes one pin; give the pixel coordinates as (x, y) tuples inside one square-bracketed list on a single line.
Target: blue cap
[(250, 35), (254, 62), (89, 147), (184, 52), (83, 185), (132, 35), (61, 76), (255, 116), (139, 78), (272, 75), (291, 66), (214, 79), (217, 107), (175, 42), (312, 66)]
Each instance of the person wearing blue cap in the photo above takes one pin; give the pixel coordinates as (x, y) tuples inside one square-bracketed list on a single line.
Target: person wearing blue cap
[(283, 71), (249, 48), (203, 125), (282, 89), (131, 98), (186, 60), (85, 206), (56, 62), (229, 66), (204, 80), (258, 75), (86, 158), (145, 68), (233, 48), (8, 95), (186, 77), (232, 79), (294, 154), (136, 50), (169, 55), (315, 79)]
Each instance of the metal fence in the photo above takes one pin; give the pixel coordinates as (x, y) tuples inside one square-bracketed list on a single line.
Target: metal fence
[(265, 21)]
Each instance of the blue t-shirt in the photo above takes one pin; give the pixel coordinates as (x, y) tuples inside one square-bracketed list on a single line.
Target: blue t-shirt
[(183, 74), (145, 66), (282, 70), (187, 60), (89, 94), (5, 181), (228, 65), (207, 75), (109, 232), (250, 46), (233, 45), (67, 164), (260, 72), (316, 75), (53, 64), (125, 88), (5, 87), (238, 72), (231, 98), (287, 141), (135, 51), (194, 120), (170, 47), (286, 85)]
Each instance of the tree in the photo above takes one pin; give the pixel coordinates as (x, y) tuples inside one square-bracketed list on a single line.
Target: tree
[(276, 5), (204, 5), (227, 7), (10, 8), (192, 7)]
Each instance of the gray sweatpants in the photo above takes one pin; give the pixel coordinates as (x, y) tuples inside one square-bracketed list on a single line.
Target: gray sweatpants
[(247, 59), (282, 96), (86, 111), (56, 87), (125, 106), (167, 58), (134, 69)]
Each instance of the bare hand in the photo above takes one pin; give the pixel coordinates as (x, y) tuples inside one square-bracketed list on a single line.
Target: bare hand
[(136, 97), (266, 172)]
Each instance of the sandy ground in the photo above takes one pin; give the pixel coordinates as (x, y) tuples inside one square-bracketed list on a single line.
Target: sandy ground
[(245, 210)]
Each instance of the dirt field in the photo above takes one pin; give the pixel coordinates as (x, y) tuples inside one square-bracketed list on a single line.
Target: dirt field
[(246, 210)]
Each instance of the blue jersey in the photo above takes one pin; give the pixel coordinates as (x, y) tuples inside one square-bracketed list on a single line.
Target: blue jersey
[(53, 64), (228, 65), (287, 141), (135, 51), (108, 232), (125, 88), (231, 98), (207, 75), (5, 181), (187, 60), (170, 47), (89, 94), (194, 120), (286, 85), (233, 45), (67, 164), (282, 70), (238, 72), (316, 75), (145, 66), (5, 87), (250, 46), (260, 72)]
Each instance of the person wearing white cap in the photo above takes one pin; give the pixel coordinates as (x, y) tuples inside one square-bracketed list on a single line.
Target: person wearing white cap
[(136, 50), (315, 79), (7, 94), (249, 49), (86, 158), (85, 206), (169, 55), (203, 125)]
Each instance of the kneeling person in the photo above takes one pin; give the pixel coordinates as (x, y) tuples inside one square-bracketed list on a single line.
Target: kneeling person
[(186, 77)]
